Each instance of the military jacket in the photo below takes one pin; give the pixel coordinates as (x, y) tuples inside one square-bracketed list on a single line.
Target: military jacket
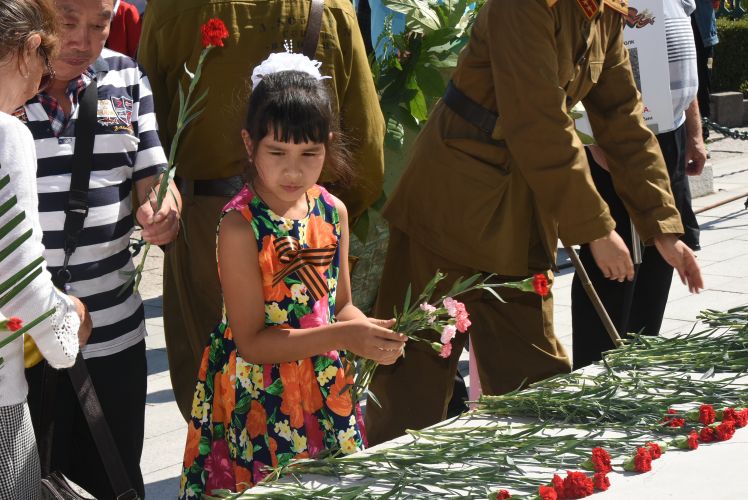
[(481, 200), (211, 147)]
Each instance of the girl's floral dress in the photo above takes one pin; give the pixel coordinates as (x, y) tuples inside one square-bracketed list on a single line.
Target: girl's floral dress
[(247, 418)]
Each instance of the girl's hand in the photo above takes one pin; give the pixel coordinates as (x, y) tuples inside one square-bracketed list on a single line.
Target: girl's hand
[(372, 339)]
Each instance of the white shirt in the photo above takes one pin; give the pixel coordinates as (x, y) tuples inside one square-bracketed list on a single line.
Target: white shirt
[(57, 336)]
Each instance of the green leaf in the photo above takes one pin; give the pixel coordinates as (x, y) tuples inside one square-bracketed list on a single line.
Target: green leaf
[(20, 274), (10, 203), (12, 224), (19, 286), (406, 304), (431, 81), (14, 245), (360, 228), (276, 388), (242, 406)]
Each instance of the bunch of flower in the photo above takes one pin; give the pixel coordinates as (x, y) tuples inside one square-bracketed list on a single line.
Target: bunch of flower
[(212, 34), (640, 462), (443, 315)]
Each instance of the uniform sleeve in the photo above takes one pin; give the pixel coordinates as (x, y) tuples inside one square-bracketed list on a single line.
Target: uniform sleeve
[(148, 57), (57, 336), (538, 131), (150, 159), (362, 122), (636, 165)]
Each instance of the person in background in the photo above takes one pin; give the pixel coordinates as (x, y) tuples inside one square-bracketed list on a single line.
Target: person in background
[(28, 38), (498, 175), (704, 24), (638, 305), (211, 157), (124, 33), (127, 158)]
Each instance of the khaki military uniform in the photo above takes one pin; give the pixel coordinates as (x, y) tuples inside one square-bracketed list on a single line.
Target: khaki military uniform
[(473, 202), (211, 147)]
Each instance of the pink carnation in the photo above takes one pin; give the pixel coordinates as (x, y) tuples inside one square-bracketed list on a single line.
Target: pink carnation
[(463, 323), (429, 310), (448, 334), (446, 350), (450, 305)]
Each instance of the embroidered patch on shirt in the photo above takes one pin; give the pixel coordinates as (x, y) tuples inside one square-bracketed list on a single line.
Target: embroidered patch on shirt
[(105, 114), (123, 109)]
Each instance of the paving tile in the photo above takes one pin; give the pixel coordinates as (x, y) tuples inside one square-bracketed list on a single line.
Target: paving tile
[(164, 451), (688, 308), (163, 484), (736, 266)]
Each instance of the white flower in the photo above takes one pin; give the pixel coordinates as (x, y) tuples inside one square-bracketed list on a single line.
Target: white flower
[(286, 61)]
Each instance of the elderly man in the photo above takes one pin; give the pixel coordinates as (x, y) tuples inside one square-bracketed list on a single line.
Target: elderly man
[(211, 157), (126, 155), (498, 175)]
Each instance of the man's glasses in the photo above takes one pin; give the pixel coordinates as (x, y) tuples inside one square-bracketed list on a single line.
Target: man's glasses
[(49, 73)]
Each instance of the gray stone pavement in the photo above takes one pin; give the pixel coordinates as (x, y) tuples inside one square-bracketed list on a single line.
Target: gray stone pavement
[(724, 261)]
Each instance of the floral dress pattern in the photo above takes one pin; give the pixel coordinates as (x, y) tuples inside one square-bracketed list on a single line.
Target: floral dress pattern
[(248, 418)]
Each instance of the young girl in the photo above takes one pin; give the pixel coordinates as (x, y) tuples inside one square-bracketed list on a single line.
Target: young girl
[(271, 385)]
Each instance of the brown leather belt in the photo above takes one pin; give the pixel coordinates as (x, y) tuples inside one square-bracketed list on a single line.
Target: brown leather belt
[(226, 187), (469, 110)]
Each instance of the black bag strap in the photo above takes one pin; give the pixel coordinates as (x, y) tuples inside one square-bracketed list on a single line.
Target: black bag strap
[(77, 206), (313, 28), (100, 431)]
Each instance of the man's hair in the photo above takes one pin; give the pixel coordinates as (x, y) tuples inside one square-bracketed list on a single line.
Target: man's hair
[(296, 107), (21, 19)]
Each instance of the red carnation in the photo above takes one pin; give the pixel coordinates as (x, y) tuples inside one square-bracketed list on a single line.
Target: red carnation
[(693, 440), (540, 284), (739, 418), (643, 460), (14, 324), (707, 414), (725, 430), (654, 450), (213, 33), (707, 435), (503, 495), (547, 493), (558, 486), (601, 481), (671, 421), (578, 485), (742, 418), (601, 460)]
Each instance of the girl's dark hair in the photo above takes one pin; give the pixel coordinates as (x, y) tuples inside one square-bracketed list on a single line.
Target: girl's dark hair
[(296, 107), (20, 19)]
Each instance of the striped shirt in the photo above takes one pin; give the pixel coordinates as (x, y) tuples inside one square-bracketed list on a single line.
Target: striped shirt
[(126, 149), (681, 56)]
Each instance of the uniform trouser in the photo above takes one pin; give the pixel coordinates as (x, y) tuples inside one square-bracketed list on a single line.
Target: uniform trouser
[(514, 343), (192, 294), (120, 383), (637, 306)]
